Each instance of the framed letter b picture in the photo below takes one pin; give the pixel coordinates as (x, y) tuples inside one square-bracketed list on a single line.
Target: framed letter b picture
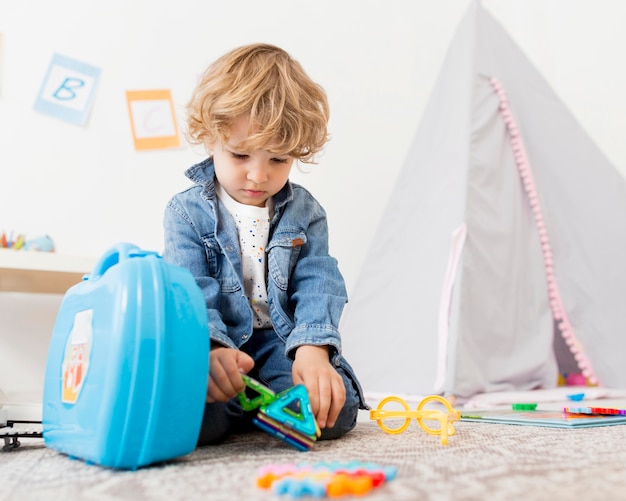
[(68, 90)]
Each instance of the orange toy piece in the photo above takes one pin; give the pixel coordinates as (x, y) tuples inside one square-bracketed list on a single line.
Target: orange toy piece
[(446, 419), (344, 484)]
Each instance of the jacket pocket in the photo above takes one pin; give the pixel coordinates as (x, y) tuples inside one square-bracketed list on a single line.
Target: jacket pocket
[(282, 255), (219, 267)]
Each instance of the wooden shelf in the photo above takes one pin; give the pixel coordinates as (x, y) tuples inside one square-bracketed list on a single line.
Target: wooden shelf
[(41, 272)]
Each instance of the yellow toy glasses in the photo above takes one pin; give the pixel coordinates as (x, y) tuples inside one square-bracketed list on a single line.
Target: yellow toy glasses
[(446, 418)]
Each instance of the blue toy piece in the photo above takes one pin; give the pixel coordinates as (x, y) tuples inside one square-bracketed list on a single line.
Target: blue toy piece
[(576, 397), (296, 488), (128, 360), (302, 421)]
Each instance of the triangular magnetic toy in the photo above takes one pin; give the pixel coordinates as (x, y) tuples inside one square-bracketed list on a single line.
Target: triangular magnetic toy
[(278, 430), (302, 421), (263, 394)]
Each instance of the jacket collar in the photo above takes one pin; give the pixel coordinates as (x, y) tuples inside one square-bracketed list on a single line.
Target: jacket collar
[(203, 174)]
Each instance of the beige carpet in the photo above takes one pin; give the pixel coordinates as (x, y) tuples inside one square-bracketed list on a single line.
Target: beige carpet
[(481, 462)]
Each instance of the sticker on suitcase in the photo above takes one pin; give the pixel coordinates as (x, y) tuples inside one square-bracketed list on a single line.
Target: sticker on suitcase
[(76, 357)]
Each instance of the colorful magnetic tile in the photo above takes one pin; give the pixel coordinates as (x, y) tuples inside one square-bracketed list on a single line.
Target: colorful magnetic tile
[(262, 394), (153, 119), (287, 435), (68, 90), (307, 440), (286, 415), (302, 421)]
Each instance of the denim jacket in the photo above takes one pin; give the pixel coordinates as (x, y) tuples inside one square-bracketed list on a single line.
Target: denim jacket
[(306, 291)]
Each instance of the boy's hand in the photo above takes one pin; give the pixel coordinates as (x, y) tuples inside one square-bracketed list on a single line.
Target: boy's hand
[(225, 368), (327, 393)]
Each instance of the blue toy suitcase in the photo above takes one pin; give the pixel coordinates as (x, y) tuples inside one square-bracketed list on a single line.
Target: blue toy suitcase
[(127, 367)]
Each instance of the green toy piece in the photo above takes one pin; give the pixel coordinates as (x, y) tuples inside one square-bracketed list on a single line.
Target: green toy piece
[(263, 396), (524, 407)]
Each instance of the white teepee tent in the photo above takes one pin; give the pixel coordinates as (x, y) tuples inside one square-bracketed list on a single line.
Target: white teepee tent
[(506, 229)]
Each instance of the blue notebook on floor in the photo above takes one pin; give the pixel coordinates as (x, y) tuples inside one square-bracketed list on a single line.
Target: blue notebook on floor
[(549, 418)]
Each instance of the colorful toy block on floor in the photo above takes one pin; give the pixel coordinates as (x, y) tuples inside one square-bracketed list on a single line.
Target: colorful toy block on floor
[(286, 415), (324, 479)]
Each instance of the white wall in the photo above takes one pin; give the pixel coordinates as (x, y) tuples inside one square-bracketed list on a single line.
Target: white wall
[(88, 188), (378, 60)]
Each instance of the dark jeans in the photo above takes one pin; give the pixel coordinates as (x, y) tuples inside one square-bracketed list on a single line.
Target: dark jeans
[(273, 369)]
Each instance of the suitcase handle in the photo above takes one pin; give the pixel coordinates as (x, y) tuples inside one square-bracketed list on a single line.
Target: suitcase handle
[(114, 255)]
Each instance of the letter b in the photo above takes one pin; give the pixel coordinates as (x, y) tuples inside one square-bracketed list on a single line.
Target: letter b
[(66, 91)]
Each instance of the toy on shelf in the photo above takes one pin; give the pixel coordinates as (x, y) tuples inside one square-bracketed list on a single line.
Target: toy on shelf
[(20, 242), (446, 418), (286, 415), (324, 479), (40, 244)]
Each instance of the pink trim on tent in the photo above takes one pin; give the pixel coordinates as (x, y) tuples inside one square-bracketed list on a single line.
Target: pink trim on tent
[(556, 303), (456, 249)]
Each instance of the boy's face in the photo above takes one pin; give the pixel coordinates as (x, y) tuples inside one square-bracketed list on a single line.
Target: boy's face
[(249, 177)]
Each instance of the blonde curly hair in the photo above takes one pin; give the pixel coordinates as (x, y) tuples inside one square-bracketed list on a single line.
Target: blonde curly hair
[(288, 112)]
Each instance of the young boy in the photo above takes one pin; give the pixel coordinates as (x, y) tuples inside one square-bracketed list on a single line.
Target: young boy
[(257, 244)]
